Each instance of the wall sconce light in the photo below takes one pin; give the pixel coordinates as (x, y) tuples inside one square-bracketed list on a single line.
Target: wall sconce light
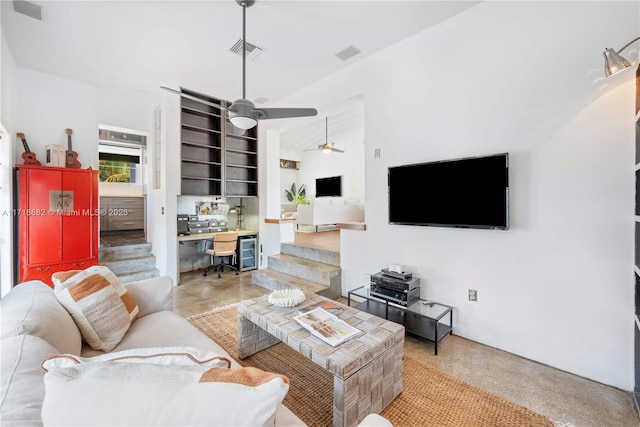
[(614, 62)]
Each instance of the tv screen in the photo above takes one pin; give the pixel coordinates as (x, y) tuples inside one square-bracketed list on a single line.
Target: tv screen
[(329, 187), (467, 193)]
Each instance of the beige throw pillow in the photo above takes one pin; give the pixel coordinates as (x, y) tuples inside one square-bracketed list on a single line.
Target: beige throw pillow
[(99, 304)]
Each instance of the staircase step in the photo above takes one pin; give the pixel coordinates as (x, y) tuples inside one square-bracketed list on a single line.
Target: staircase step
[(124, 252), (314, 254), (274, 280), (138, 275), (324, 274), (130, 265)]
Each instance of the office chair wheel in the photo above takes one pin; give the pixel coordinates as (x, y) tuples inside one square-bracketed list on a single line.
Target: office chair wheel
[(219, 275), (205, 273), (237, 272)]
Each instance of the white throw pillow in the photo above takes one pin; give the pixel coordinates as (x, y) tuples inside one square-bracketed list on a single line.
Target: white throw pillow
[(100, 392), (99, 304)]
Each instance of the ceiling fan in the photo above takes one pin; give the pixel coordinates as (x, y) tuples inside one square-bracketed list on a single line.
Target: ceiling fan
[(242, 112), (327, 147)]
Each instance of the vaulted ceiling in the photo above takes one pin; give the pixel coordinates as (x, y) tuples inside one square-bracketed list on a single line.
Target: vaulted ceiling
[(140, 45)]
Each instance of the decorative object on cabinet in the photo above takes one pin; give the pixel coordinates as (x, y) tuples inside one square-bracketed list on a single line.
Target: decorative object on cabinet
[(614, 62), (72, 156), (57, 221), (56, 156), (242, 112), (28, 156)]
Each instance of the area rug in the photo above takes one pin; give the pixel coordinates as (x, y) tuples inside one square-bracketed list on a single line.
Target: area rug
[(429, 396)]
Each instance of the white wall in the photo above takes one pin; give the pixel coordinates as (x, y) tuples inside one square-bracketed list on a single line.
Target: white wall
[(7, 135), (524, 78)]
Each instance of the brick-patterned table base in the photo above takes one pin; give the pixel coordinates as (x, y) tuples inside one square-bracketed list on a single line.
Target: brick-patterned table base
[(367, 369)]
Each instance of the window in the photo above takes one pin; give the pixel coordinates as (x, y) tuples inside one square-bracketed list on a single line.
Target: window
[(121, 157)]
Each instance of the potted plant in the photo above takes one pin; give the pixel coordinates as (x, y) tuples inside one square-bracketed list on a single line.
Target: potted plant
[(297, 195)]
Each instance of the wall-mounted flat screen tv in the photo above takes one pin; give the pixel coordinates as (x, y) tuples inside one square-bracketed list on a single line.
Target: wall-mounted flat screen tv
[(465, 193), (329, 187)]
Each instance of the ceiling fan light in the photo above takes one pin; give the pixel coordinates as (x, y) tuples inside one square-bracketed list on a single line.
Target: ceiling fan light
[(326, 150), (243, 122), (613, 63)]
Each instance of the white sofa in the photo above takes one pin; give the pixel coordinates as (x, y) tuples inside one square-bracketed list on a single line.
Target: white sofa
[(329, 212), (35, 327)]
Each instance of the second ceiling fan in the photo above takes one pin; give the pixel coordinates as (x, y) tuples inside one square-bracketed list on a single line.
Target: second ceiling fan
[(327, 147), (242, 112)]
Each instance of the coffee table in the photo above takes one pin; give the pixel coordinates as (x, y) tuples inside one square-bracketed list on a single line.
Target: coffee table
[(367, 369)]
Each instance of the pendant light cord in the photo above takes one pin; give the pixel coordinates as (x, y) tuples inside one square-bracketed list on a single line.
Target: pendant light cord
[(244, 50)]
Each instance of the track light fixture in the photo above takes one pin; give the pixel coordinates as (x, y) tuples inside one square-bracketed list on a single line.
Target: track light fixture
[(614, 62)]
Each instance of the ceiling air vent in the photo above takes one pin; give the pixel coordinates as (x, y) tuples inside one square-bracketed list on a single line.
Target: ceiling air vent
[(27, 8), (253, 51), (347, 53)]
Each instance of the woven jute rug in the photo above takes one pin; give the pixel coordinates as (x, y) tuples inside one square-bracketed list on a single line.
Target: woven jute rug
[(429, 396)]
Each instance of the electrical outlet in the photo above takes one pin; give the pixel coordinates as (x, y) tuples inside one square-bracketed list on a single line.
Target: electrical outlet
[(376, 153), (473, 295)]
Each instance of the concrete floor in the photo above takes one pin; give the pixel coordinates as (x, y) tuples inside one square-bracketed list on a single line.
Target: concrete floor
[(561, 396)]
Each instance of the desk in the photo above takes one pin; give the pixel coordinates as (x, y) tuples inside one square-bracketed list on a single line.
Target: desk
[(191, 254)]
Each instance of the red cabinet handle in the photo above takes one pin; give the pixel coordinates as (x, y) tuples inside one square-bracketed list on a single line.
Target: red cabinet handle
[(46, 269)]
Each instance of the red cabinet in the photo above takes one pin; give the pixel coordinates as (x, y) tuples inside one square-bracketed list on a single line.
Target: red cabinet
[(57, 216)]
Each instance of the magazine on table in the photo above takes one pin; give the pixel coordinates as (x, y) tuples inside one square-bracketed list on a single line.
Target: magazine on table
[(326, 326), (330, 306)]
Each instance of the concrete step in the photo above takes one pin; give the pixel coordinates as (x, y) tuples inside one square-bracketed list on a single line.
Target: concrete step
[(320, 255), (138, 275), (275, 280), (130, 265), (327, 275), (124, 252)]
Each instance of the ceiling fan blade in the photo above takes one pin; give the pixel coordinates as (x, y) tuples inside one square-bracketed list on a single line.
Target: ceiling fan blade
[(283, 113), (194, 98), (337, 150)]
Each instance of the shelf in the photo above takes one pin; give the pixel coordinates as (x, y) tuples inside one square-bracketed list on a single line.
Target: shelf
[(203, 162), (245, 181), (197, 144), (199, 129), (231, 135), (216, 157), (191, 110), (201, 178), (242, 166), (240, 151)]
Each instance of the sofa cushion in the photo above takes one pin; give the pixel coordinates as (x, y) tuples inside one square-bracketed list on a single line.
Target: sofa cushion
[(22, 379), (31, 308), (162, 329), (99, 304), (122, 393), (177, 356)]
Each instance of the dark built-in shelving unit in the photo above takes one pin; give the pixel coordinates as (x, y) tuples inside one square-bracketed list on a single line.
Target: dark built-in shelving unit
[(217, 158)]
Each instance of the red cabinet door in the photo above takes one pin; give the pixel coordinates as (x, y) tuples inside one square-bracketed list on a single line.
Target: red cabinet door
[(79, 223), (40, 226)]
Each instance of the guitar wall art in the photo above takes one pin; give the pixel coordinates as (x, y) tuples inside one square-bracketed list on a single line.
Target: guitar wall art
[(72, 156)]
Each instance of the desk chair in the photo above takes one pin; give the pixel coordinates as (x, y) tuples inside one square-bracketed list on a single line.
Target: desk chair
[(224, 246)]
